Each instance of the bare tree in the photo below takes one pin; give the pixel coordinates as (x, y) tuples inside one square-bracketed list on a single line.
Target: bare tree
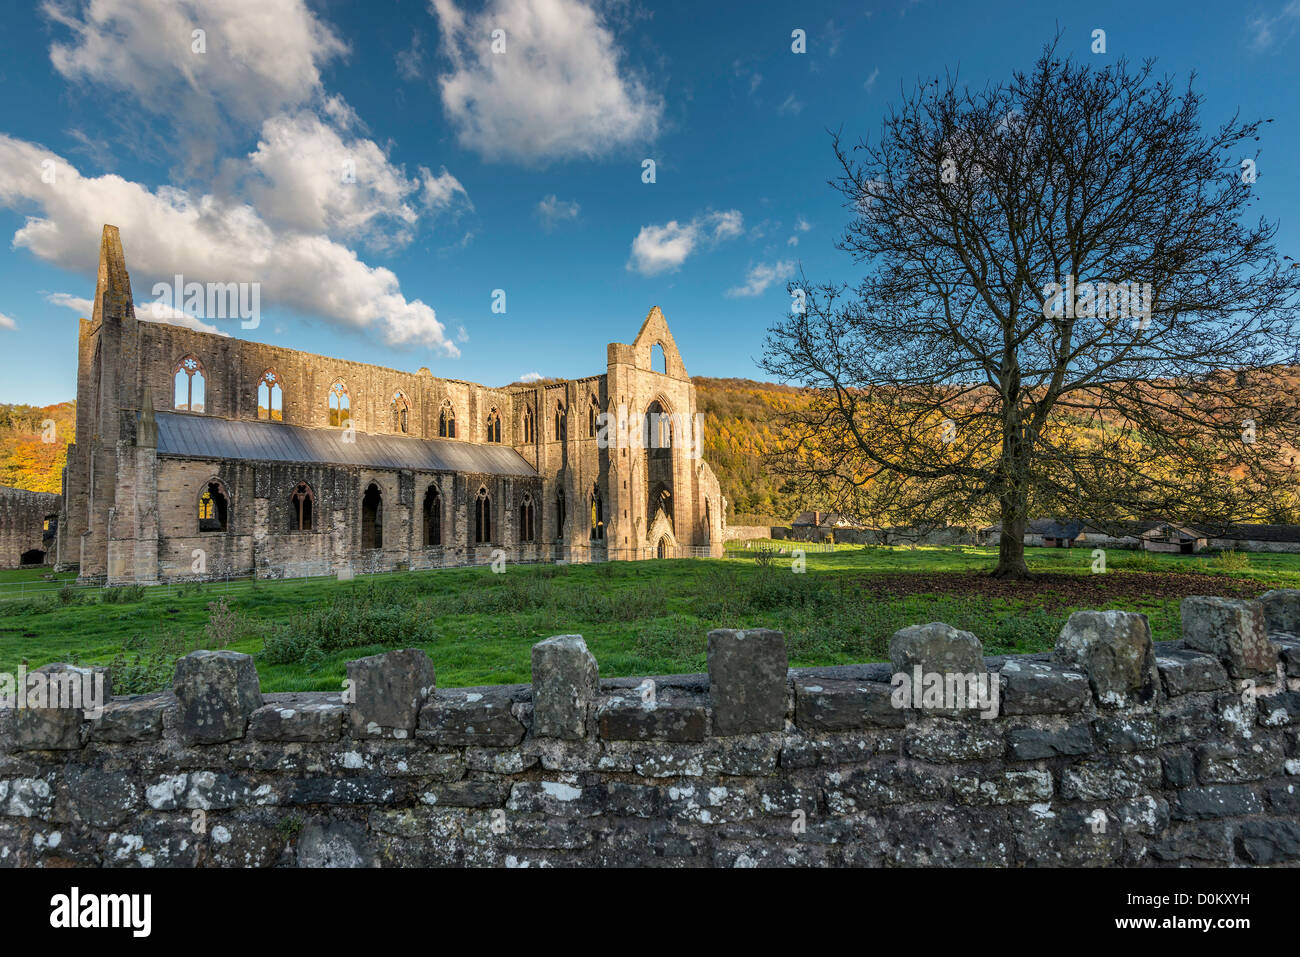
[(1064, 311)]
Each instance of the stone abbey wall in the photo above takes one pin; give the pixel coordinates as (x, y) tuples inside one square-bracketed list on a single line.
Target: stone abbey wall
[(132, 504), (1109, 751), (28, 525)]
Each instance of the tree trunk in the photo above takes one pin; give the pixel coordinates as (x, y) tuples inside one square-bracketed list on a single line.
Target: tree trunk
[(1011, 547), (1013, 501)]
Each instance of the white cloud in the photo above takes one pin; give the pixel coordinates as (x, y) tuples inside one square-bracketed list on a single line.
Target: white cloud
[(306, 176), (7, 322), (531, 377), (1267, 31), (205, 238), (552, 211), (871, 80), (558, 91), (790, 105), (663, 248), (762, 276), (261, 57)]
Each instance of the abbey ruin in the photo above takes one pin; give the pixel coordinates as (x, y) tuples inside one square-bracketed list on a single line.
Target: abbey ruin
[(201, 455)]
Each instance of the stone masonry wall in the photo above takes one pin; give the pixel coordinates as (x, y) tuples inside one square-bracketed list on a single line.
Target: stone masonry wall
[(1110, 750), (23, 516)]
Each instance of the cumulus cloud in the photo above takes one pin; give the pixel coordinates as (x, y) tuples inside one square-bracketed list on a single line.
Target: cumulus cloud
[(206, 238), (762, 276), (259, 57), (6, 322), (553, 211), (658, 249), (531, 377), (559, 90)]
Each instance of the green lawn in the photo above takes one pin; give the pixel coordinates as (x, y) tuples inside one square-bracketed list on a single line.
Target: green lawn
[(638, 617)]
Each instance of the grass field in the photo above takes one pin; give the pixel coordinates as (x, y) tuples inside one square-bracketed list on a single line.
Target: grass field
[(637, 617)]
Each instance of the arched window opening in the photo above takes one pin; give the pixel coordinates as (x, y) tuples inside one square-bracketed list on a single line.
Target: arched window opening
[(482, 517), (447, 421), (494, 426), (593, 418), (664, 550), (559, 514), (189, 385), (661, 500), (301, 503), (270, 397), (372, 518), (401, 412), (432, 517), (597, 514), (340, 405), (526, 529), (561, 426), (658, 428), (530, 425), (658, 361), (213, 508)]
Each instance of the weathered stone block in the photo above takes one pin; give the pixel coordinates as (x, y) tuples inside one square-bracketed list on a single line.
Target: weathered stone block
[(1118, 778), (1232, 630), (565, 683), (1033, 744), (389, 690), (1216, 800), (1231, 764), (476, 719), (1186, 671), (1003, 787), (70, 692), (299, 717), (1281, 610), (936, 647), (138, 718), (216, 693), (940, 741), (1269, 842), (1038, 687), (629, 718), (823, 704), (747, 680), (1114, 649), (1288, 649)]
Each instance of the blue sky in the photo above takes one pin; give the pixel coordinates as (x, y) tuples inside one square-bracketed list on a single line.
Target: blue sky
[(520, 171)]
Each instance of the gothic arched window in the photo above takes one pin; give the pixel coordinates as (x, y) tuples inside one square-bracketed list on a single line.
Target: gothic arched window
[(530, 426), (597, 514), (526, 516), (372, 517), (301, 502), (340, 405), (494, 426), (270, 397), (189, 385), (561, 426), (482, 517), (432, 517), (401, 412), (447, 421), (214, 507)]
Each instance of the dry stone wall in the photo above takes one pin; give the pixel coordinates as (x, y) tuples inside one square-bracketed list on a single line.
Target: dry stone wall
[(1111, 750)]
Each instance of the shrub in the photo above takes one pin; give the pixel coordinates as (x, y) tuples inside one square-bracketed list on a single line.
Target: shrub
[(224, 626), (121, 594), (1231, 560)]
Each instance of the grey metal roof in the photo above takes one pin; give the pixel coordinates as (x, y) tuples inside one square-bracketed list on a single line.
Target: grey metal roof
[(209, 437)]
